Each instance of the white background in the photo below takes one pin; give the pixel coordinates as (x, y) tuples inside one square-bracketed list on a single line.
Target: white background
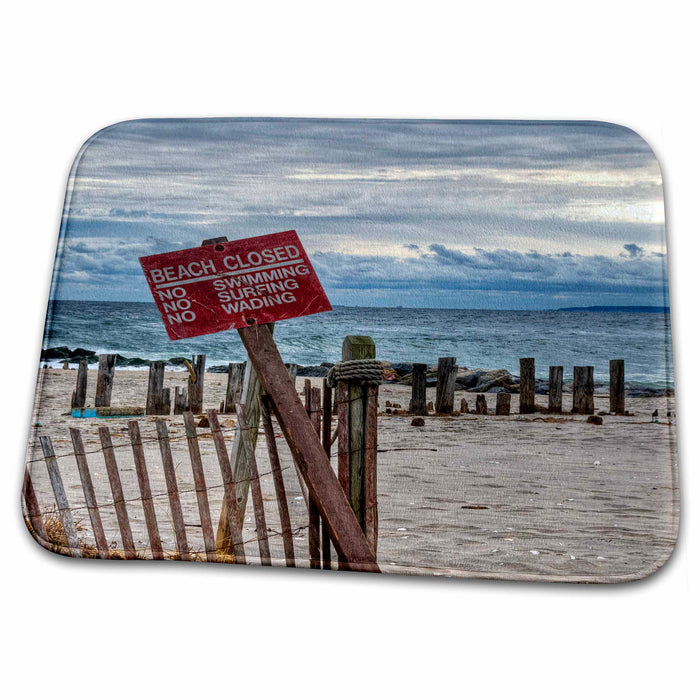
[(92, 629)]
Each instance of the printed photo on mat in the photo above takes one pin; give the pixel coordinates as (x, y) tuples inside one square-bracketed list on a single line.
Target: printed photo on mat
[(421, 347)]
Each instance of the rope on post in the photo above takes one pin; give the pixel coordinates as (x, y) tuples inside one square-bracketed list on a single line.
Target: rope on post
[(364, 372)]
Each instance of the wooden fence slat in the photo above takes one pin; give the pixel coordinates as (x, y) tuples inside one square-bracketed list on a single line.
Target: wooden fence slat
[(343, 439), (327, 416), (64, 510), (117, 493), (173, 491), (145, 489), (324, 489), (33, 511), (313, 408), (200, 486), (89, 491), (255, 488), (229, 487), (280, 491), (234, 386)]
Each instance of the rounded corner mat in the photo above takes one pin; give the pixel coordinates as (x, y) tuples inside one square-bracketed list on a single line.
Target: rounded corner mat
[(423, 347)]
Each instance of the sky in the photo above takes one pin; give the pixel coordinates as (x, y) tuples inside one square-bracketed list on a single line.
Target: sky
[(448, 214)]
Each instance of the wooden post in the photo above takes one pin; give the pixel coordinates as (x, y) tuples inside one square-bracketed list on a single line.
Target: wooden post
[(293, 369), (105, 379), (195, 389), (117, 493), (173, 492), (180, 402), (154, 394), (361, 447), (324, 489), (527, 385), (463, 406), (80, 393), (445, 391), (617, 386), (89, 492), (313, 409), (503, 404), (234, 387), (326, 440), (417, 406), (583, 391), (481, 408), (59, 493), (556, 381)]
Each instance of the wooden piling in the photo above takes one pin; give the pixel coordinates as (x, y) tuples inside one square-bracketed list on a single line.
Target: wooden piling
[(556, 381), (293, 370), (313, 408), (481, 408), (327, 416), (59, 493), (527, 385), (463, 406), (195, 388), (80, 393), (117, 493), (617, 386), (503, 404), (145, 490), (89, 492), (173, 492), (417, 406), (445, 390), (105, 380), (154, 393), (234, 386), (583, 391), (180, 401)]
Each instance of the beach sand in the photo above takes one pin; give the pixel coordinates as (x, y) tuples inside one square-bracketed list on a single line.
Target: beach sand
[(509, 497)]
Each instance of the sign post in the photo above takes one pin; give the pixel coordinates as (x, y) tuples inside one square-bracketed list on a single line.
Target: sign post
[(247, 284)]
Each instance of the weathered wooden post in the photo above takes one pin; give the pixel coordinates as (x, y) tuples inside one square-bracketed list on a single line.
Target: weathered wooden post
[(463, 406), (156, 405), (527, 385), (417, 406), (503, 404), (445, 391), (80, 393), (234, 386), (180, 401), (617, 386), (195, 386), (250, 394), (481, 408), (556, 381), (293, 369), (105, 380), (583, 391), (313, 409), (357, 439)]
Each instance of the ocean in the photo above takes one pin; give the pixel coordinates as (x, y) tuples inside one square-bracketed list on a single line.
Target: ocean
[(485, 339)]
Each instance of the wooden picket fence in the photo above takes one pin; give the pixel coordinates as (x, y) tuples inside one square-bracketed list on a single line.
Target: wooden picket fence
[(68, 541)]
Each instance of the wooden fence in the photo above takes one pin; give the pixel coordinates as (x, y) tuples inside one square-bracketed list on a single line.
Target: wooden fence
[(56, 522)]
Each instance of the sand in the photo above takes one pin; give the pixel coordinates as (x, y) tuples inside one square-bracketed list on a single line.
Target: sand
[(509, 497)]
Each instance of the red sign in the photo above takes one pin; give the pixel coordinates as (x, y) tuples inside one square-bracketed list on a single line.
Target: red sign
[(234, 284)]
